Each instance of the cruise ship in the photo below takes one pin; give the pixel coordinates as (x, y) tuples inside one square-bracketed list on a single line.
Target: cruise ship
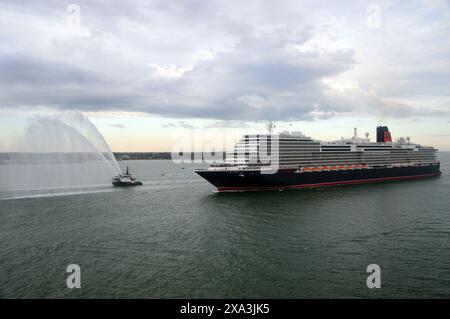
[(293, 160)]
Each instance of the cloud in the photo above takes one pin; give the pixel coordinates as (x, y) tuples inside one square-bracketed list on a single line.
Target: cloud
[(182, 124), (229, 124), (116, 125), (26, 70), (227, 61)]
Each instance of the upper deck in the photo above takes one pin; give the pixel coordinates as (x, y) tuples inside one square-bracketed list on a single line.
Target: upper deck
[(293, 149)]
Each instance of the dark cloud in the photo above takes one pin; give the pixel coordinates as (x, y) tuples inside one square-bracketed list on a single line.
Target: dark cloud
[(26, 70), (195, 59), (261, 78)]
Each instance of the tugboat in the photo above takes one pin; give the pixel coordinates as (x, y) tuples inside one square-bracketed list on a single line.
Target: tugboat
[(125, 180)]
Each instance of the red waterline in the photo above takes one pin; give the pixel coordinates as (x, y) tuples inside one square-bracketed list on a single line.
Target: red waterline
[(357, 181)]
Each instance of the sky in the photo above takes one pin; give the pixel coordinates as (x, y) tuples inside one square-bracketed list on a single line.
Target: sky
[(150, 74)]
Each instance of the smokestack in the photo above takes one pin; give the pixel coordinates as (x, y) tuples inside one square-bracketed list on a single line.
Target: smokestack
[(355, 133), (383, 134)]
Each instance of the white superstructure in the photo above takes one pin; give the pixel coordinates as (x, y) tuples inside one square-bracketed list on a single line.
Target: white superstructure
[(297, 150)]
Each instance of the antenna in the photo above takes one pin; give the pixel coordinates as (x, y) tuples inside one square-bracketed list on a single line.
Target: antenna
[(270, 126)]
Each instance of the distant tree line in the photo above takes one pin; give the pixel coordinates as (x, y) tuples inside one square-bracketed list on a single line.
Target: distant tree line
[(123, 156), (142, 155)]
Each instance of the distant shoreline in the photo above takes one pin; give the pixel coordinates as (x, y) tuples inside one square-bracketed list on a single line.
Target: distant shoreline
[(129, 156), (124, 156)]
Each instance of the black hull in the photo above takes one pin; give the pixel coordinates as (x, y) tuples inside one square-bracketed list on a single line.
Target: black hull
[(122, 184), (245, 180)]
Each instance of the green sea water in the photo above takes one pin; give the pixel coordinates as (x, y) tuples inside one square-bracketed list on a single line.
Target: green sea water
[(175, 237)]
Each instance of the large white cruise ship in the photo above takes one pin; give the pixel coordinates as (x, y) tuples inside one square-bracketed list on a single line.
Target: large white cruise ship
[(292, 160)]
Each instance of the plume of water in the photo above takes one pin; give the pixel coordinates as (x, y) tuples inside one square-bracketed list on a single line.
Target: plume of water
[(56, 154)]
